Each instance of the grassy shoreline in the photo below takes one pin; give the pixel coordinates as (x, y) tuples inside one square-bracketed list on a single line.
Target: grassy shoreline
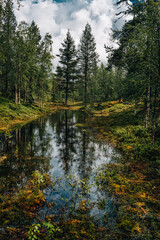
[(12, 114)]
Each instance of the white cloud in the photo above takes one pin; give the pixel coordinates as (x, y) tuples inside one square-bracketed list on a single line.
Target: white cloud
[(57, 18)]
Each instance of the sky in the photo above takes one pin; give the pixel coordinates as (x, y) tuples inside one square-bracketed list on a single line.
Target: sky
[(59, 16)]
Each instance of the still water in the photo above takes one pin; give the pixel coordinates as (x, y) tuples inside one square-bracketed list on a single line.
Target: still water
[(60, 144)]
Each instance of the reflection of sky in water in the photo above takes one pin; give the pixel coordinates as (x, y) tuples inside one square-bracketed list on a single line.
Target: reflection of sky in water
[(64, 148), (89, 155), (96, 152)]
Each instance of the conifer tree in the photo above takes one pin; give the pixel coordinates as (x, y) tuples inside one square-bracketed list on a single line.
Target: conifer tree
[(68, 60), (1, 43), (87, 57), (33, 43), (8, 35), (138, 54), (60, 83), (20, 62), (45, 68), (25, 59)]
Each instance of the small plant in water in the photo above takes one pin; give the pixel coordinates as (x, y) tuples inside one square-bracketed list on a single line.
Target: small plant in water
[(45, 230)]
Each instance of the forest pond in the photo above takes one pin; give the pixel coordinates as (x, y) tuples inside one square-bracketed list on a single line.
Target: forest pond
[(63, 146)]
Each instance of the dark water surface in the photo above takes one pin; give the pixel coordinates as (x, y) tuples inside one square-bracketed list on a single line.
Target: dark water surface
[(61, 145)]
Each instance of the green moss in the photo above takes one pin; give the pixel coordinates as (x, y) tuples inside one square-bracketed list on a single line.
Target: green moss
[(137, 200), (11, 113), (135, 180)]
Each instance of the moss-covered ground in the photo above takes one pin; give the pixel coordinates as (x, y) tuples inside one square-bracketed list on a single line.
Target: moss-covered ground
[(12, 114), (135, 181)]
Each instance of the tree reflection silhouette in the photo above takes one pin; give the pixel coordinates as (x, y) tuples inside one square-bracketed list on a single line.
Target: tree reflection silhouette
[(61, 137), (26, 149), (73, 142)]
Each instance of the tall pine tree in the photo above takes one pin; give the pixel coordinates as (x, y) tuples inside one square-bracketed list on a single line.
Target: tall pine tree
[(87, 57), (8, 35), (68, 60)]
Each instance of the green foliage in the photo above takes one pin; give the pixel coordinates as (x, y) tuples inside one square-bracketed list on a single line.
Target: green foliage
[(103, 84), (88, 58), (138, 56), (139, 142), (21, 206), (68, 61), (45, 230), (26, 59)]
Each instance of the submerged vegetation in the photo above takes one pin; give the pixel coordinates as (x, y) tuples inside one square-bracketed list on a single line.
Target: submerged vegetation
[(134, 180), (137, 199)]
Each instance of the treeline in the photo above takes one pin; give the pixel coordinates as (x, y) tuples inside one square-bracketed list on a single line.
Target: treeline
[(138, 56), (26, 70), (132, 72), (133, 69), (79, 76), (25, 59)]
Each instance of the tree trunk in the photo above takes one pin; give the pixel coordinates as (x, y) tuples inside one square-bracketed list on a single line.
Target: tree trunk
[(15, 93), (85, 94), (41, 103), (7, 85), (25, 94), (67, 80), (155, 129), (148, 89), (19, 93), (148, 104), (85, 85), (156, 113), (156, 116)]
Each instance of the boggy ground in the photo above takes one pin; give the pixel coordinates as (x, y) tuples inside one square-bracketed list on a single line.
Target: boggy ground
[(133, 183), (135, 180)]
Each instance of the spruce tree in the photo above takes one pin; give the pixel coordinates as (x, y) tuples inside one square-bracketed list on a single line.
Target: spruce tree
[(7, 38), (45, 68), (20, 62), (60, 83), (68, 60), (138, 54), (87, 57), (34, 48), (1, 43)]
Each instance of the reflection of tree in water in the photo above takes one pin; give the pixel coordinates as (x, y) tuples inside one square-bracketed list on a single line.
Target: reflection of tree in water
[(26, 149), (66, 138), (86, 154), (29, 148), (73, 143)]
